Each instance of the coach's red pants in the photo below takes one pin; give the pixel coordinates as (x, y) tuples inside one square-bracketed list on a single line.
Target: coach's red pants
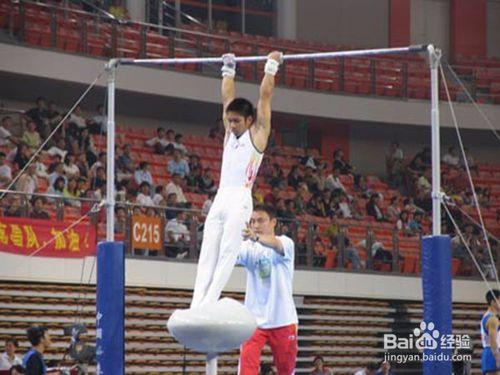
[(283, 343)]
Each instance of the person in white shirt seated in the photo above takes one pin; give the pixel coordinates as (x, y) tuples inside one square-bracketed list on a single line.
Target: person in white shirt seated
[(144, 195), (5, 134), (5, 171), (58, 149), (9, 358), (175, 187), (451, 158), (143, 174), (269, 263), (159, 143), (178, 145), (98, 123), (177, 236)]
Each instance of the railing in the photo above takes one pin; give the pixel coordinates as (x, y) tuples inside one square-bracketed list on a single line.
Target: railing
[(187, 243), (90, 34)]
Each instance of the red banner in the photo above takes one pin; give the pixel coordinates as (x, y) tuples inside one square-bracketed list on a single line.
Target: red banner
[(27, 236)]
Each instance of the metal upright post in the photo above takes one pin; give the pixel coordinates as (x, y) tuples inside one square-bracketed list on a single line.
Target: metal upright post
[(110, 162), (434, 60)]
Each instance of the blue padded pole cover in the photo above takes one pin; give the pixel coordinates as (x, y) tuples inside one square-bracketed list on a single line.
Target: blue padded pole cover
[(110, 319), (436, 283)]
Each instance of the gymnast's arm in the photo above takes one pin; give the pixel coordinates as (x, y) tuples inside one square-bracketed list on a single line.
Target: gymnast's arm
[(492, 326), (227, 88), (262, 127)]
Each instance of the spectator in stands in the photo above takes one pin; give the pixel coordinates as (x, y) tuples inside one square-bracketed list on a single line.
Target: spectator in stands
[(158, 197), (484, 197), (143, 174), (83, 166), (5, 172), (101, 162), (86, 145), (207, 183), (339, 162), (178, 165), (125, 159), (58, 172), (276, 177), (308, 160), (333, 228), (316, 206), (207, 204), (289, 212), (350, 252), (5, 134), (70, 167), (385, 369), (273, 196), (193, 180), (319, 367), (333, 182), (373, 209), (403, 223), (58, 149), (194, 162), (39, 115), (57, 188), (321, 177), (451, 158), (9, 357), (99, 179), (410, 206), (172, 206), (416, 167), (76, 121), (175, 186), (393, 211), (72, 193), (301, 198), (160, 142), (22, 155), (345, 209), (17, 370), (53, 115), (41, 169), (40, 340), (177, 234), (28, 182), (470, 161), (294, 178), (394, 162), (415, 225), (14, 208), (31, 137), (98, 123), (178, 145), (311, 179), (121, 220), (38, 212), (458, 247), (144, 195), (378, 252), (370, 369)]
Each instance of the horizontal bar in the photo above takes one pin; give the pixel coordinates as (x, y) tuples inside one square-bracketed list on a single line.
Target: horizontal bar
[(300, 56)]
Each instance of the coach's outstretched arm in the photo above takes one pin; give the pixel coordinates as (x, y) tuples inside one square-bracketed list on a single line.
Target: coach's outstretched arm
[(262, 127), (227, 89)]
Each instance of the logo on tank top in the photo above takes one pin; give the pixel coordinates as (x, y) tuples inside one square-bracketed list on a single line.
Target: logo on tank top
[(252, 170)]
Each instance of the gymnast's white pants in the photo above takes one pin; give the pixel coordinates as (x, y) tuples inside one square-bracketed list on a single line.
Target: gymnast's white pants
[(222, 239)]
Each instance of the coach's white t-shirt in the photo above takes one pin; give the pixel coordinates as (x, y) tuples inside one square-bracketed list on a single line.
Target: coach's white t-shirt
[(269, 295)]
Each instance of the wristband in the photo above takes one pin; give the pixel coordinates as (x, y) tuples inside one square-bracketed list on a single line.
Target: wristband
[(228, 72), (271, 67), (229, 65)]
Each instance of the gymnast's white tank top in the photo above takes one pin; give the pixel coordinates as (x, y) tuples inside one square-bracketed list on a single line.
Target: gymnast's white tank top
[(240, 162)]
